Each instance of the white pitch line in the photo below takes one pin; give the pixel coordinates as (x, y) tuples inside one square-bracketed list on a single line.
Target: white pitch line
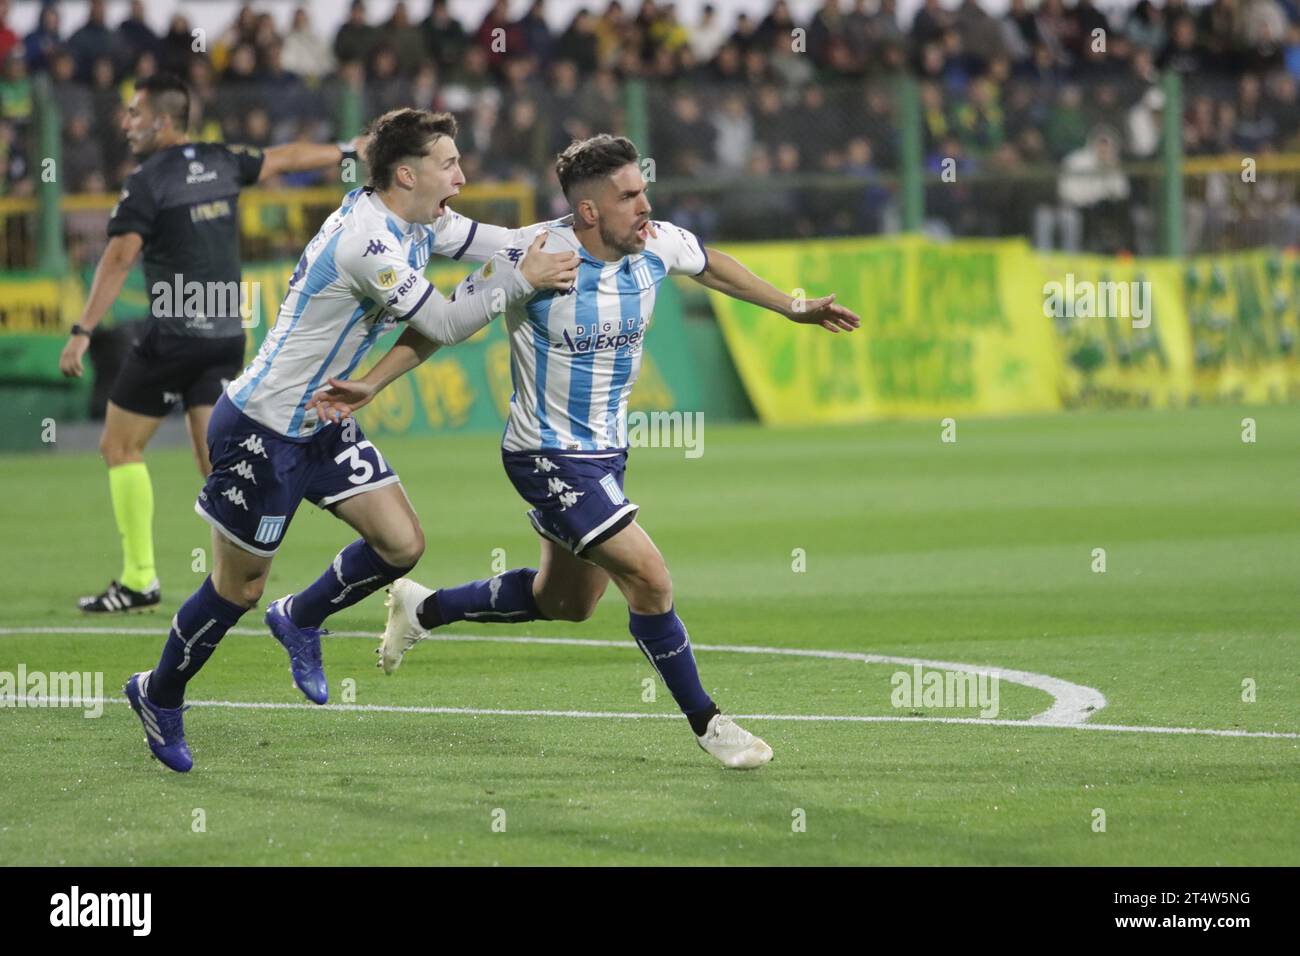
[(69, 702), (1072, 704)]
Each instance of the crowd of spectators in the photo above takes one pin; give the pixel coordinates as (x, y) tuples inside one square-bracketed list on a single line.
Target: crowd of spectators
[(744, 104)]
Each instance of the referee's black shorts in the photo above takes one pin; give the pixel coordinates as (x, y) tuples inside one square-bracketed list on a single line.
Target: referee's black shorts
[(162, 370)]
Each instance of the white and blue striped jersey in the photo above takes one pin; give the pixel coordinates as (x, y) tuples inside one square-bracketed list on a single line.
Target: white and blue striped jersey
[(360, 275), (575, 356)]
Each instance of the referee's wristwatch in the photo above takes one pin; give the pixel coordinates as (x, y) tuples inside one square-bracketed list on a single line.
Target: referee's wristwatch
[(78, 330)]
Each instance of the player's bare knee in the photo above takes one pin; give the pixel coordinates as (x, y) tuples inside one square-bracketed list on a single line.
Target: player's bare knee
[(654, 586), (565, 606), (251, 593), (582, 608), (404, 551), (244, 593)]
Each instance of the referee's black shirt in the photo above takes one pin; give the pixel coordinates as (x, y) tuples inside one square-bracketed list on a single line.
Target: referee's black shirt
[(183, 201)]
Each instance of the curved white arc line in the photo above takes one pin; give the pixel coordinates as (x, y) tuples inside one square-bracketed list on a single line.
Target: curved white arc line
[(1072, 704), (44, 703)]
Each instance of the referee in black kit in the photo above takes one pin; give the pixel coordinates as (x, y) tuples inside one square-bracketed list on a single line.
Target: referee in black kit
[(180, 206)]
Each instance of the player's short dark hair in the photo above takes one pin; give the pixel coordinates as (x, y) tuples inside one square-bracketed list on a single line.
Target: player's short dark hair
[(400, 134), (585, 160), (168, 95)]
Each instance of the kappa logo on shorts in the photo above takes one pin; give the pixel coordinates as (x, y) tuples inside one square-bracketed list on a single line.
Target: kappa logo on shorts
[(564, 492), (253, 444), (544, 465), (269, 529), (171, 398), (244, 470), (236, 497), (612, 489)]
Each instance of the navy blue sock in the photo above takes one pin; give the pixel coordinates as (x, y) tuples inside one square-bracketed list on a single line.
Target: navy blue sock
[(665, 643), (357, 572), (506, 598), (196, 629)]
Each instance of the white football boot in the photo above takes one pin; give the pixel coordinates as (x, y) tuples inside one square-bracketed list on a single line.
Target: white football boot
[(736, 747), (402, 630)]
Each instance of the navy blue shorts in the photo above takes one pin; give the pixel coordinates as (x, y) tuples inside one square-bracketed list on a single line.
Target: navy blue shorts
[(259, 476), (578, 502)]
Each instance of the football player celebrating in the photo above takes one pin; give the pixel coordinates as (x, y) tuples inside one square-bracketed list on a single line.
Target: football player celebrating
[(360, 276), (575, 356)]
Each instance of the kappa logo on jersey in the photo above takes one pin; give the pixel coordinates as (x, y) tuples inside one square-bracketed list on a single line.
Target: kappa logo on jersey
[(375, 247), (612, 489), (244, 470), (269, 529), (253, 444), (387, 278), (235, 497)]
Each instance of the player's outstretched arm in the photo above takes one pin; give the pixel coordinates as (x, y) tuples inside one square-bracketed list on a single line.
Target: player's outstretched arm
[(729, 276), (110, 275), (299, 157), (510, 276)]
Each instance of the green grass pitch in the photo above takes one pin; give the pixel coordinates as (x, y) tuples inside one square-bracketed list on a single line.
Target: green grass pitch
[(980, 552)]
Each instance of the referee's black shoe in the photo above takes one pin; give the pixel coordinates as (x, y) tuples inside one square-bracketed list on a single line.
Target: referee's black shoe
[(121, 598)]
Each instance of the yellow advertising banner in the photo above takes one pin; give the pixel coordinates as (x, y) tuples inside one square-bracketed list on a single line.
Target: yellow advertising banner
[(1120, 330), (1244, 314), (980, 327), (947, 329)]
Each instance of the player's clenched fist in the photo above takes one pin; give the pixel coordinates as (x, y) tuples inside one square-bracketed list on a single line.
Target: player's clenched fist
[(549, 270)]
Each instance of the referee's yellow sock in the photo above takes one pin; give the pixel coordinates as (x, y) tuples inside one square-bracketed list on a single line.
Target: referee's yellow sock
[(133, 508)]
